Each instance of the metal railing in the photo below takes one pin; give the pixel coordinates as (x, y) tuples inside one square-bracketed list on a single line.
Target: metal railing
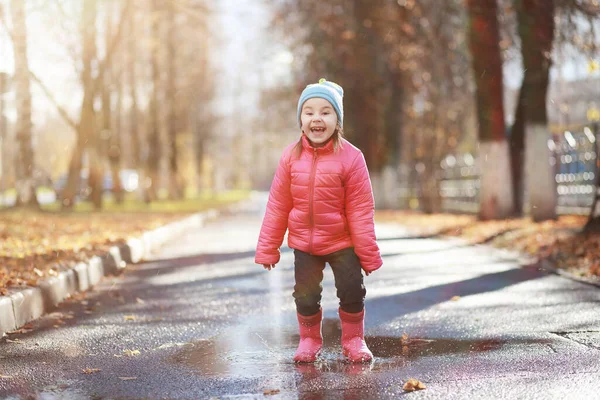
[(572, 153)]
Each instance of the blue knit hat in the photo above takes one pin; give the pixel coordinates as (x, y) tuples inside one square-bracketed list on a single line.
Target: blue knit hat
[(330, 91)]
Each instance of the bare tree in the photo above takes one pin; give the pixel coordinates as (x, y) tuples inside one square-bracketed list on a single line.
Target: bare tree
[(86, 128), (26, 188)]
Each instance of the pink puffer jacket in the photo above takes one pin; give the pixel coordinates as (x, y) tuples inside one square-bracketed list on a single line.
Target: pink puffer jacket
[(325, 200)]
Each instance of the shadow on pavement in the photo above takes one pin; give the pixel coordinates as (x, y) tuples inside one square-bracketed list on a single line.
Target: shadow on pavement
[(383, 309)]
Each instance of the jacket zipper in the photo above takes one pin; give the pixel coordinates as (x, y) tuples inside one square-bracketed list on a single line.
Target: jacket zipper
[(310, 199)]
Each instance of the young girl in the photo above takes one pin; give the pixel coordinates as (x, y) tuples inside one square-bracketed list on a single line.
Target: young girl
[(322, 194)]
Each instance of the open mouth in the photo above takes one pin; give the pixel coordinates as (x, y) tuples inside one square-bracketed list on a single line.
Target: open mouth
[(317, 130)]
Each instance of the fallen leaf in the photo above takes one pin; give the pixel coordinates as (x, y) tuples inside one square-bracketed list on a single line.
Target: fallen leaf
[(404, 338), (91, 370), (131, 353), (128, 378), (271, 392), (455, 298), (129, 317), (413, 384)]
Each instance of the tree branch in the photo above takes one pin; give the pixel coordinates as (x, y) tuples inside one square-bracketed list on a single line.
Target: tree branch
[(3, 22), (111, 49), (63, 113)]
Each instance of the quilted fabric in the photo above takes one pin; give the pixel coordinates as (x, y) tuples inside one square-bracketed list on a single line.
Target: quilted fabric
[(324, 198)]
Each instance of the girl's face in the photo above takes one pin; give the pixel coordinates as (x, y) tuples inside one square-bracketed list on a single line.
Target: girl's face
[(319, 120)]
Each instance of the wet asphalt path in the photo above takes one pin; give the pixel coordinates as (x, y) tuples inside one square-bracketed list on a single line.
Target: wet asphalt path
[(202, 321)]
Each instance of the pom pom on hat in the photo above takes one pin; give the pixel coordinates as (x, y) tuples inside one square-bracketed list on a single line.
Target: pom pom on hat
[(330, 91)]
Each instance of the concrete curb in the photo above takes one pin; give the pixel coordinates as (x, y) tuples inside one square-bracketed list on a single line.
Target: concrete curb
[(24, 305), (549, 266)]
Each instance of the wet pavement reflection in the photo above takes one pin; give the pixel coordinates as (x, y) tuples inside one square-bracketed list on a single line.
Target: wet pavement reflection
[(244, 351)]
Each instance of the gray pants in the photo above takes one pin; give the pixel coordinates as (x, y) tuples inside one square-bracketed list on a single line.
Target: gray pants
[(347, 272)]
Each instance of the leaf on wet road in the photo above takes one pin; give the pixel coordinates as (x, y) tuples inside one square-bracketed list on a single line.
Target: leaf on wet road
[(413, 384), (129, 317), (131, 353), (271, 392), (91, 370), (128, 378)]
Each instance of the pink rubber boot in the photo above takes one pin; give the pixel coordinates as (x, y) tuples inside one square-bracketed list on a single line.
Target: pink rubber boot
[(353, 337), (311, 340)]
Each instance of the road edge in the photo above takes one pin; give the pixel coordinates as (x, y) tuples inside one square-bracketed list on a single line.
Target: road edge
[(30, 303)]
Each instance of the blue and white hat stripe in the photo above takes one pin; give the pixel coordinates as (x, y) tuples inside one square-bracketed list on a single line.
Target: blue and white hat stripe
[(330, 91)]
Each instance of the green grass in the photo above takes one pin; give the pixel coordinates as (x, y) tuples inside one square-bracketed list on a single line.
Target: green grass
[(131, 204)]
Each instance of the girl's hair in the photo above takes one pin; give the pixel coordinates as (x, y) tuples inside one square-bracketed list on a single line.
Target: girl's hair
[(337, 136)]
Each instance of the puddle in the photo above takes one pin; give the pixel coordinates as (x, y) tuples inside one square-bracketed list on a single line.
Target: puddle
[(250, 352)]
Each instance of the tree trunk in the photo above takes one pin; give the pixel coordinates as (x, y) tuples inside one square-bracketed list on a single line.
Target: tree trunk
[(25, 184), (364, 117), (3, 136), (87, 125), (175, 189), (496, 198), (137, 153), (392, 133), (536, 29), (517, 151), (114, 144), (154, 154), (111, 128), (593, 222)]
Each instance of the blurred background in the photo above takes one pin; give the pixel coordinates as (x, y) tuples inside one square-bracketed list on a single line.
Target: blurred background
[(104, 100)]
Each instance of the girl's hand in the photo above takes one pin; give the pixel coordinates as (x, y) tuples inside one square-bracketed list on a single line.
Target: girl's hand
[(269, 266)]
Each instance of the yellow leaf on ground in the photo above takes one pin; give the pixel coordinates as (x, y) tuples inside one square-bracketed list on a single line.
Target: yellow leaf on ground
[(91, 370), (413, 384), (129, 317), (128, 352)]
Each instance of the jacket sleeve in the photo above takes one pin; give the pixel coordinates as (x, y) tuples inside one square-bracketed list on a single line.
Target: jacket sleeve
[(275, 220), (360, 212)]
